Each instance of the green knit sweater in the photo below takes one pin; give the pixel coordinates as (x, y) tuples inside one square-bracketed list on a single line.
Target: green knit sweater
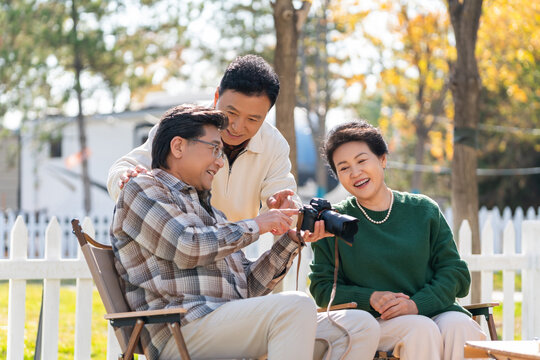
[(412, 252)]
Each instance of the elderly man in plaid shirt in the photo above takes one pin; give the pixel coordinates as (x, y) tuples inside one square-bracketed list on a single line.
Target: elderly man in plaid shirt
[(173, 249)]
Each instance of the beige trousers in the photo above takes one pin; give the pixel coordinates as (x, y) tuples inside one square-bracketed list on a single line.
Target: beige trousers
[(363, 330), (417, 337), (281, 325)]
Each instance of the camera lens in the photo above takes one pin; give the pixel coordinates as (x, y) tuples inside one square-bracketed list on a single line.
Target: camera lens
[(343, 226)]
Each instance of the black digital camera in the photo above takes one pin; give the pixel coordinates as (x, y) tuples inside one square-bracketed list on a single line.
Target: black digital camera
[(343, 226)]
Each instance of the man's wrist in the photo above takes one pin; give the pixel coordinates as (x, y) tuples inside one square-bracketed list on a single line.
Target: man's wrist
[(295, 237)]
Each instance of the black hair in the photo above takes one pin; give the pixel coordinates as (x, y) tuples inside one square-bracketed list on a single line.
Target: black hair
[(353, 131), (186, 121), (251, 75)]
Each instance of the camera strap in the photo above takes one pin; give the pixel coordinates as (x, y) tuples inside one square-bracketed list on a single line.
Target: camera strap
[(301, 243), (329, 315)]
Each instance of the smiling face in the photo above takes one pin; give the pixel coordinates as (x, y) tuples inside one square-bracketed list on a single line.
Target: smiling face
[(361, 173), (194, 162), (246, 114)]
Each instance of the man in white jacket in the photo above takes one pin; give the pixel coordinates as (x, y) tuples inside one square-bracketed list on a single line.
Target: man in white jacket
[(257, 174)]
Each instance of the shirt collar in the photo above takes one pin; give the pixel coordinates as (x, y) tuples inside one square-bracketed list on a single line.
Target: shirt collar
[(173, 182), (255, 143)]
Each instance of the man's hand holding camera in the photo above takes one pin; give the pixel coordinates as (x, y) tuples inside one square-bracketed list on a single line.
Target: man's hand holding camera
[(278, 222)]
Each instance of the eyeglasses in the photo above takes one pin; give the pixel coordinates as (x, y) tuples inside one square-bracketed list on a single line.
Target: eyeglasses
[(217, 152)]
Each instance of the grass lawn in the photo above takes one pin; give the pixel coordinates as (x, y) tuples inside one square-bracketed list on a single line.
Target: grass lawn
[(498, 314), (66, 337), (498, 311)]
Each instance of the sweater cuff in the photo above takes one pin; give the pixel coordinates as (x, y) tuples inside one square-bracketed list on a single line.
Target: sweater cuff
[(361, 297), (424, 304)]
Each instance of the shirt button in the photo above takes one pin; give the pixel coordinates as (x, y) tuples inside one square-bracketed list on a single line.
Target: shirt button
[(250, 229)]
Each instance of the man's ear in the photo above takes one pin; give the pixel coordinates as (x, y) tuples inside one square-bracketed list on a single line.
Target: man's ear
[(216, 96), (178, 145)]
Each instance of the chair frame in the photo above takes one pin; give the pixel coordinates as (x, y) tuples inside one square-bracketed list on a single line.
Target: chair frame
[(480, 309), (128, 325)]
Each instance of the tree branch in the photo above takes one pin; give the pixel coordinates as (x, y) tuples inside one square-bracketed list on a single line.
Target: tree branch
[(302, 14)]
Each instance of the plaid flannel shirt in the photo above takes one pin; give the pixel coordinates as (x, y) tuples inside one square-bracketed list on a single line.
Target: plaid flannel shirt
[(170, 251)]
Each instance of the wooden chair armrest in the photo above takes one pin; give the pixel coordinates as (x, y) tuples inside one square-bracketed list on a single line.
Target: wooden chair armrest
[(351, 305), (485, 310), (481, 305), (146, 313)]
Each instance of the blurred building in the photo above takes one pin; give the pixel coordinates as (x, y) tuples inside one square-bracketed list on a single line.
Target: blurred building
[(9, 171)]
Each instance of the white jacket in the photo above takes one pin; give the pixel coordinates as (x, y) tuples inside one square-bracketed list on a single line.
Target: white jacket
[(260, 170)]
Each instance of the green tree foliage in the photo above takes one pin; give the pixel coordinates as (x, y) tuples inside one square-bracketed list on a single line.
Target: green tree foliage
[(23, 70), (509, 133), (242, 28), (319, 69), (54, 53), (413, 58)]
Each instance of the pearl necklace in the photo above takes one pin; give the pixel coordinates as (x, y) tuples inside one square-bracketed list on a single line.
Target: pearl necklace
[(387, 214)]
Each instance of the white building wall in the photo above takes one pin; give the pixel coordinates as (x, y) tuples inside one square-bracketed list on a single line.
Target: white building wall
[(46, 182)]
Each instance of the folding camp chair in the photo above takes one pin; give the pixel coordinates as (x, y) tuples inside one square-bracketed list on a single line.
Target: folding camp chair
[(483, 309), (127, 324)]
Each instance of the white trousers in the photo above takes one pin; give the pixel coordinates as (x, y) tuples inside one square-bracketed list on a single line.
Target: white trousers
[(417, 337)]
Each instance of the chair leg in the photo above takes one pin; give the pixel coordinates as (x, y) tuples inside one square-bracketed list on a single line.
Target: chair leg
[(177, 334), (133, 340), (491, 327)]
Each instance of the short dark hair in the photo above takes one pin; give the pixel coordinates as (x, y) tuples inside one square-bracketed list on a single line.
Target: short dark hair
[(186, 121), (251, 75), (353, 131)]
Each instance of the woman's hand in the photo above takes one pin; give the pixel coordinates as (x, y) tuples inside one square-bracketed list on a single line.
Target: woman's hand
[(317, 234), (390, 304), (403, 307)]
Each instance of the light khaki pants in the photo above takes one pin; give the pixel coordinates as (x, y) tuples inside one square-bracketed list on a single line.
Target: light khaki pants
[(281, 325), (417, 337), (364, 335)]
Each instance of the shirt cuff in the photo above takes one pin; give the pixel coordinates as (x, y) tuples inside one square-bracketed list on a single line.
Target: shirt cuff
[(250, 226)]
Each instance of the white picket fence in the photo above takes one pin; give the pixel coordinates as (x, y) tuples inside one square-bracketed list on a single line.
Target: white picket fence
[(52, 268), (37, 224), (527, 262)]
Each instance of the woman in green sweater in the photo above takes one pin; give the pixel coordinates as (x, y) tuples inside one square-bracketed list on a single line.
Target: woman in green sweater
[(403, 266)]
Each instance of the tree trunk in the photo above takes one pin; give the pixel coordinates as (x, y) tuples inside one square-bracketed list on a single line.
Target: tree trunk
[(465, 87), (315, 88), (288, 23), (77, 64), (419, 151)]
